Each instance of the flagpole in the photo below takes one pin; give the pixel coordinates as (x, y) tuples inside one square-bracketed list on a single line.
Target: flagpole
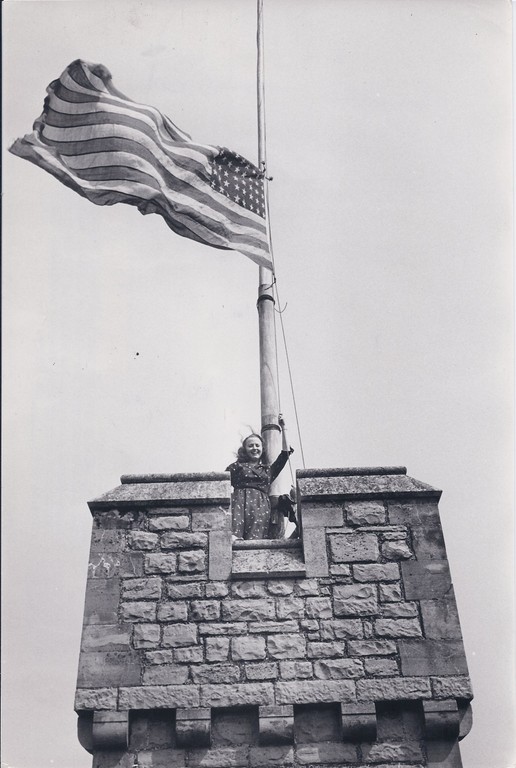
[(269, 396)]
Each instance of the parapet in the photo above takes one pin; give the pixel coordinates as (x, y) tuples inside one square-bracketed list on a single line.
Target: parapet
[(341, 648)]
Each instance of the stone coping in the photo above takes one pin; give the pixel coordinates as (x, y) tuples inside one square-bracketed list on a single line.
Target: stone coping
[(330, 486), (346, 471), (267, 544), (180, 493), (181, 477)]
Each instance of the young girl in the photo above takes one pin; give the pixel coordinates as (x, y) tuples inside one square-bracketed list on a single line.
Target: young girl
[(251, 478)]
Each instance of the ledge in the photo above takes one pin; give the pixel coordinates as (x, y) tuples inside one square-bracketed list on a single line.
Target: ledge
[(178, 493), (351, 471), (182, 477), (267, 544), (336, 485)]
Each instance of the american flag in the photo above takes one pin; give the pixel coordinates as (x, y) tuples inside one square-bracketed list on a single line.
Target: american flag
[(110, 150)]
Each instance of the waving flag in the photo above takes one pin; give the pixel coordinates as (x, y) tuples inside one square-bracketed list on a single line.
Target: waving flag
[(112, 150)]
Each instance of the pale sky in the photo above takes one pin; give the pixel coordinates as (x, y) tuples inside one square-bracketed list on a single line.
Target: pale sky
[(128, 349)]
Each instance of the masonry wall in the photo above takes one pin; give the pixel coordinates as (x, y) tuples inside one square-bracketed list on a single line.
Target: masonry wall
[(342, 649)]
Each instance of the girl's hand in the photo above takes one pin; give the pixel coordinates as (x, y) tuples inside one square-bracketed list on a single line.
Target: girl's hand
[(281, 421)]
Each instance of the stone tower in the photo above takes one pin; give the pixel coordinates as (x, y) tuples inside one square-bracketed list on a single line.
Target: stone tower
[(342, 648)]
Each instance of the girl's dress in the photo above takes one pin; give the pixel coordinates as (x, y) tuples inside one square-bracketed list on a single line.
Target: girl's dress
[(250, 504)]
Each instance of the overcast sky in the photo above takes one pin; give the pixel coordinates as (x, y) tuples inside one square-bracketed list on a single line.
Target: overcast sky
[(128, 349)]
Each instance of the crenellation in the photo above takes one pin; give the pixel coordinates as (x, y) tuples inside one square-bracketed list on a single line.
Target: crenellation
[(341, 648)]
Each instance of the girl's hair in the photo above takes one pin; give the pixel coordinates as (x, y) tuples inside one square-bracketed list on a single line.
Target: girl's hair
[(242, 453)]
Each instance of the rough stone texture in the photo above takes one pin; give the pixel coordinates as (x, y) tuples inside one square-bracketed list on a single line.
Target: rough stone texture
[(354, 547), (308, 691), (365, 513), (317, 636), (158, 696), (355, 600), (326, 753)]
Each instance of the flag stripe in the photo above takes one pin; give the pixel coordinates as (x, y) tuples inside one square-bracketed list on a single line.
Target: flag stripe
[(110, 149)]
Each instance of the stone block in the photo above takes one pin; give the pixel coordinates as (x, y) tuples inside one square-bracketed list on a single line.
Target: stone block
[(402, 610), (165, 674), (342, 570), (328, 753), (142, 540), (105, 637), (217, 589), (215, 519), (219, 757), (322, 516), (316, 556), (452, 688), (276, 725), (432, 657), (172, 611), (110, 730), (178, 635), (365, 512), (441, 619), (160, 758), (318, 608), (160, 563), (315, 723), (184, 591), (191, 562), (248, 589), (354, 547), (102, 598), (170, 523), (216, 629), (261, 671), (146, 635), (286, 646), (109, 758), (397, 628), (217, 648), (325, 650), (95, 698), (290, 608), (141, 589), (157, 657), (398, 549), (413, 513), (428, 542), (247, 610), (393, 752), (105, 565), (248, 648), (271, 627), (425, 579), (296, 670), (280, 587), (183, 540), (341, 629), (307, 588), (371, 648), (355, 600), (109, 668), (193, 728), (337, 669), (315, 691), (138, 611), (237, 695), (159, 697), (390, 593), (381, 667), (393, 689), (263, 757), (216, 673), (376, 572), (191, 654), (205, 610)]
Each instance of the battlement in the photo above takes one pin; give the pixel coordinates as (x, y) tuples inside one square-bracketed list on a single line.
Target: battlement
[(341, 648)]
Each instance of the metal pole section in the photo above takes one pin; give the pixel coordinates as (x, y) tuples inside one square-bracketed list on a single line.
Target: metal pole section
[(271, 431)]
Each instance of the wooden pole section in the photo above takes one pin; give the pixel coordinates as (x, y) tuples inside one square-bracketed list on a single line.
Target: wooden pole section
[(271, 431)]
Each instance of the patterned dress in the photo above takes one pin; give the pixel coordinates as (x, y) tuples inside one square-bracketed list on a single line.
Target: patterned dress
[(250, 505)]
